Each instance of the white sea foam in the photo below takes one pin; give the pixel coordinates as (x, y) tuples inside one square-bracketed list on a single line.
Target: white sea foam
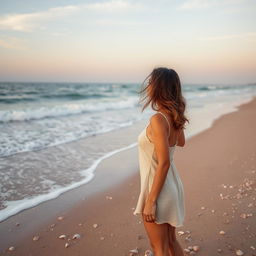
[(14, 207), (60, 110)]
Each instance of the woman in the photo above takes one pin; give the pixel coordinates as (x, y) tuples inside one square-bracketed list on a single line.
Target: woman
[(161, 199)]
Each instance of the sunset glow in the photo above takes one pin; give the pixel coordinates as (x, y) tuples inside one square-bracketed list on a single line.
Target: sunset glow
[(206, 41)]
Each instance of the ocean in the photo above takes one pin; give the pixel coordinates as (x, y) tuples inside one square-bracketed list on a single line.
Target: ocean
[(45, 130)]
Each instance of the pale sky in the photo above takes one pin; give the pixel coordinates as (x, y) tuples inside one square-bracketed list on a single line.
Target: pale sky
[(205, 41)]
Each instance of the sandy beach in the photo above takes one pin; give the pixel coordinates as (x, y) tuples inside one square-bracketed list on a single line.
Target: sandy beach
[(218, 171)]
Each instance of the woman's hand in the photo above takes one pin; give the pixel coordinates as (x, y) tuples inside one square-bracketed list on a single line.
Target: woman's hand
[(149, 211)]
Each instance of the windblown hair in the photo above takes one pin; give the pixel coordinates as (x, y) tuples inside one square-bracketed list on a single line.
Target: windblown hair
[(163, 90)]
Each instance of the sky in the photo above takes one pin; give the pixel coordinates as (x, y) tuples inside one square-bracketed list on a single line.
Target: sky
[(205, 41)]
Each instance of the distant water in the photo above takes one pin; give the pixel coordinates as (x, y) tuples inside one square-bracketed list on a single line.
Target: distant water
[(38, 116)]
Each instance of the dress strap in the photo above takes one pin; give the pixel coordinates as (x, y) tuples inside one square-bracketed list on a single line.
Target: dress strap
[(167, 122)]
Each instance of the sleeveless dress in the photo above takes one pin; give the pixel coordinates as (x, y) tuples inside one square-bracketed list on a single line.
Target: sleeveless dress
[(170, 207)]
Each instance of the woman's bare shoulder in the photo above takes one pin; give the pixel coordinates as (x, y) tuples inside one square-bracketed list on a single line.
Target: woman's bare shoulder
[(156, 120)]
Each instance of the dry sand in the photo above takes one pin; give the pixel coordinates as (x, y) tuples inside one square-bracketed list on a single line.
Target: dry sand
[(218, 171)]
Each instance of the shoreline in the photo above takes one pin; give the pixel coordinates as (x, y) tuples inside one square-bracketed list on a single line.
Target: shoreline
[(88, 173), (84, 210)]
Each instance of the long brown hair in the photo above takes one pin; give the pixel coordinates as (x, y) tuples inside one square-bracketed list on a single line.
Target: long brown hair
[(164, 90)]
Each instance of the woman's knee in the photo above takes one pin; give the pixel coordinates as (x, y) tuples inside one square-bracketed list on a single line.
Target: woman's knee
[(158, 237)]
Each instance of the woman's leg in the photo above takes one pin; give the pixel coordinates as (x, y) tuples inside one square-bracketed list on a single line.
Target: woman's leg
[(174, 246), (159, 237)]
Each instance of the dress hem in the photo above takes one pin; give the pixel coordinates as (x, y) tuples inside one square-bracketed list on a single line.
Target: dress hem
[(161, 222)]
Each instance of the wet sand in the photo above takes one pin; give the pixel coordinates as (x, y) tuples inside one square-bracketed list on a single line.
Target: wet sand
[(218, 171)]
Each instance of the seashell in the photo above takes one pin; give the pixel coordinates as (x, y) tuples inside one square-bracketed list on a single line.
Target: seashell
[(109, 197), (76, 236), (62, 237), (249, 214), (12, 248), (247, 184), (188, 239), (102, 238), (134, 251), (195, 248), (219, 250), (36, 238), (243, 215), (222, 232), (17, 224), (203, 208), (53, 225), (148, 253), (60, 218), (252, 247), (67, 245), (181, 233), (95, 225), (239, 252), (80, 224), (213, 211)]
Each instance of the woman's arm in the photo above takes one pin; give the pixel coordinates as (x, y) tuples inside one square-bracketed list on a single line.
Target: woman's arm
[(160, 138)]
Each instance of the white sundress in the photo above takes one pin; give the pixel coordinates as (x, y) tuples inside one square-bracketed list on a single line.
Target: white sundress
[(170, 206)]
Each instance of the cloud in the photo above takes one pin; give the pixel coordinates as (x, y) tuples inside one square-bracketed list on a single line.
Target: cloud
[(203, 4), (112, 6), (12, 43), (112, 22), (196, 4), (251, 36), (28, 22)]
